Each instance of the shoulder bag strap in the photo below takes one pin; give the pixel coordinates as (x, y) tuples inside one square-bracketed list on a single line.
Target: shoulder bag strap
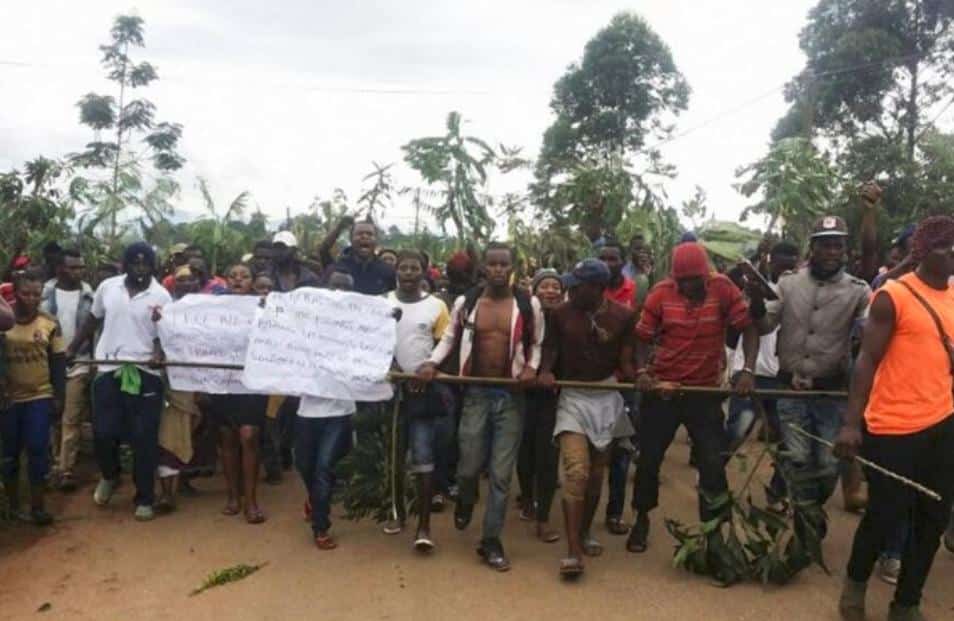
[(945, 339)]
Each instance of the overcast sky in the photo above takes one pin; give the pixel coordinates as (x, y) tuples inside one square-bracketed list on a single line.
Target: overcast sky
[(291, 98)]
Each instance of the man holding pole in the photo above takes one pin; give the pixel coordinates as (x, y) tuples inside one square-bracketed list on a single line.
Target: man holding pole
[(900, 416), (686, 317), (499, 333), (817, 308), (127, 398), (589, 339)]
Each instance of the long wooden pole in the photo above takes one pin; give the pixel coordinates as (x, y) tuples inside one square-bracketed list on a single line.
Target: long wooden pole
[(501, 381)]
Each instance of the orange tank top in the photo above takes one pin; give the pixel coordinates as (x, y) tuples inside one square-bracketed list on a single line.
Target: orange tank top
[(912, 386)]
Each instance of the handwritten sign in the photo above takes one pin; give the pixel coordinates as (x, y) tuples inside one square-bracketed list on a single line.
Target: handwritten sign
[(323, 343), (208, 328)]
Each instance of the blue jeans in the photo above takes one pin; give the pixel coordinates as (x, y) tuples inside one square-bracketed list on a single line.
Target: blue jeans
[(421, 411), (740, 419), (320, 443), (497, 413), (118, 415), (27, 426), (810, 468)]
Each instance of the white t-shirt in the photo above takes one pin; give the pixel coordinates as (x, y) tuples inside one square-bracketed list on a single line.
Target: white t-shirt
[(422, 323), (320, 407), (67, 303), (766, 364), (128, 329)]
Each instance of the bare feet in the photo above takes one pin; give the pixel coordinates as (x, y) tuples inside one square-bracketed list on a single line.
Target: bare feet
[(546, 534), (231, 507)]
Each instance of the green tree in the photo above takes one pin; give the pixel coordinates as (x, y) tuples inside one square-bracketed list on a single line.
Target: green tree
[(135, 135), (695, 209), (877, 78), (215, 233), (380, 195), (613, 109), (34, 210), (794, 183), (458, 164)]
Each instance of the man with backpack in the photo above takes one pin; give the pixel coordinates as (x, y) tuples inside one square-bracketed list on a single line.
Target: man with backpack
[(499, 333)]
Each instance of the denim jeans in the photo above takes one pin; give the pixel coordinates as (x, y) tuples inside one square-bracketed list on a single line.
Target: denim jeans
[(928, 458), (810, 468), (498, 413), (27, 426), (118, 415), (741, 417), (320, 443)]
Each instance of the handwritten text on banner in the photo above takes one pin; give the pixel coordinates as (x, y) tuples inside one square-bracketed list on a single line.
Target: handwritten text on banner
[(207, 328), (331, 344)]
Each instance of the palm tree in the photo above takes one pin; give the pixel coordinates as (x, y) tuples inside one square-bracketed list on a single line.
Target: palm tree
[(448, 160)]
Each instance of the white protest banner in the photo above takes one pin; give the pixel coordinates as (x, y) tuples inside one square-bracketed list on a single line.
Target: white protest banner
[(207, 328), (332, 344)]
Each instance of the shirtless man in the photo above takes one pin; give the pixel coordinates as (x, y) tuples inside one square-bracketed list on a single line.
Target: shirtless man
[(499, 334), (590, 339)]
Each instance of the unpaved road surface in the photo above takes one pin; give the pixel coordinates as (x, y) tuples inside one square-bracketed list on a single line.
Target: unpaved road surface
[(100, 564)]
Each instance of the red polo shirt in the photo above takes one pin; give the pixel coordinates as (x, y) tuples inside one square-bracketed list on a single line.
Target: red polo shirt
[(625, 294), (690, 339)]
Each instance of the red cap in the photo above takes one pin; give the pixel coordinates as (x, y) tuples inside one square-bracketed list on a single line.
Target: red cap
[(689, 260), (21, 262)]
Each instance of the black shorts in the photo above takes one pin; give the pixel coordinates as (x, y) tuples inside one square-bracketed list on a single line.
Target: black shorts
[(234, 411)]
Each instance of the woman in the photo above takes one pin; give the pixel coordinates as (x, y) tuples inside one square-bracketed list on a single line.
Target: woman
[(240, 419), (35, 387), (539, 457), (180, 418)]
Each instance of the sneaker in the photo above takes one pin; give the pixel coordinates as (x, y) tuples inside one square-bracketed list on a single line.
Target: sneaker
[(393, 527), (144, 513), (423, 542), (437, 503), (491, 550), (462, 515), (104, 492)]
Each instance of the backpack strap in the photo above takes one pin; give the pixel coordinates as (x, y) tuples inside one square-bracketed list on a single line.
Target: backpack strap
[(945, 339)]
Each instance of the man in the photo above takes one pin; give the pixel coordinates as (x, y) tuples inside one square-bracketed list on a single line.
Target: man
[(288, 274), (208, 284), (621, 290), (372, 276), (686, 318), (815, 314), (52, 252), (179, 255), (262, 255), (70, 299), (591, 337), (901, 389), (639, 267), (498, 334), (127, 399), (423, 320)]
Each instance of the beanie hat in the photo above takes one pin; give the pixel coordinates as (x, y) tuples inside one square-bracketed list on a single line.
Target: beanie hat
[(543, 274), (136, 249), (689, 260)]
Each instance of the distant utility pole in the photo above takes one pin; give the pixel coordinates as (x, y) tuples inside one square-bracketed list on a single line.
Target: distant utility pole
[(417, 212)]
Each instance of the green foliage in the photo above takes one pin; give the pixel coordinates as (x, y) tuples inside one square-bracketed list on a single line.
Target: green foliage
[(34, 209), (623, 94), (746, 542), (227, 576), (795, 184), (878, 77), (381, 193), (696, 209), (459, 165), (119, 159)]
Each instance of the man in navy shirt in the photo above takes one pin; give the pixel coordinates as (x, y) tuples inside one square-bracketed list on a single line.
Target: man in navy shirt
[(371, 275)]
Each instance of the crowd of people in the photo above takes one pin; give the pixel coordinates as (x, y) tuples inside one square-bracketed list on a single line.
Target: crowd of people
[(791, 319)]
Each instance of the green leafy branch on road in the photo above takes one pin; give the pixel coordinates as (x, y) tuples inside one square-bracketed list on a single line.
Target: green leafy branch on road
[(748, 542), (227, 575)]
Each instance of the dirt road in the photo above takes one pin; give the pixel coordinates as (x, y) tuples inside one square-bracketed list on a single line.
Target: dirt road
[(100, 564)]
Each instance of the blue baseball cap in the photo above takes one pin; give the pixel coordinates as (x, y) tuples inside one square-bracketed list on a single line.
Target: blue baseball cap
[(587, 271)]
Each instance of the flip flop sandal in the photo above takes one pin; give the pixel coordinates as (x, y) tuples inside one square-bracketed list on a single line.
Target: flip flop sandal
[(325, 542), (571, 568), (549, 536), (616, 526), (255, 517), (231, 510), (592, 547)]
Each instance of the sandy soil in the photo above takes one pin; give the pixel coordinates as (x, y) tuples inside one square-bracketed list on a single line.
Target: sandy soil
[(100, 564)]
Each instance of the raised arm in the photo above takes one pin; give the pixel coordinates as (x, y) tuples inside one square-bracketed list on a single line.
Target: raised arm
[(870, 198), (6, 316)]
